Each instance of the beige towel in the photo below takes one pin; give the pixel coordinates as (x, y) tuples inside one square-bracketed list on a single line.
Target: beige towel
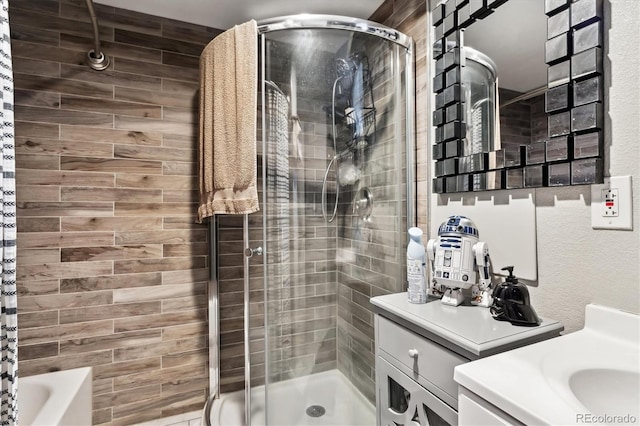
[(228, 104)]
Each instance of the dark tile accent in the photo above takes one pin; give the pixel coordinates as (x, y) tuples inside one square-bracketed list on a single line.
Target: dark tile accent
[(34, 34), (43, 6), (165, 71), (47, 53), (188, 32), (53, 22), (157, 42), (176, 59)]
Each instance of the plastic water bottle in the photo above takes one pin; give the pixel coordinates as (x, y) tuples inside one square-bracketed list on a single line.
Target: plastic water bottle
[(416, 267)]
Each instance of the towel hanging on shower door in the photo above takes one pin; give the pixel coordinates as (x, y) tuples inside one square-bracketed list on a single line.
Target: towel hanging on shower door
[(228, 105)]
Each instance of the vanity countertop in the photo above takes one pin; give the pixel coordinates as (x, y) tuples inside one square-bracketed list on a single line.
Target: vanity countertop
[(589, 376), (472, 330)]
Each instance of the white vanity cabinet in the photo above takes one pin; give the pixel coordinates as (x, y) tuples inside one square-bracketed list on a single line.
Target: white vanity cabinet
[(478, 412), (419, 345), (414, 378)]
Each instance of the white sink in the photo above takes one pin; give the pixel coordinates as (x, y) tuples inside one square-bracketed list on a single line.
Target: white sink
[(603, 390), (594, 372)]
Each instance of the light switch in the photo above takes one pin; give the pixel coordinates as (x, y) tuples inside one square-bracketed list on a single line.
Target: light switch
[(612, 204)]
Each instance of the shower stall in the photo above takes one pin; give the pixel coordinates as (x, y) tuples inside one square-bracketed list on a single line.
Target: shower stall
[(291, 326)]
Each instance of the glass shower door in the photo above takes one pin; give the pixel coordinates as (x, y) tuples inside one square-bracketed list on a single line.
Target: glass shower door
[(300, 278), (334, 119)]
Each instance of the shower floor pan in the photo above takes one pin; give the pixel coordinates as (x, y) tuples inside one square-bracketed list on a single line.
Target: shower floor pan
[(297, 401)]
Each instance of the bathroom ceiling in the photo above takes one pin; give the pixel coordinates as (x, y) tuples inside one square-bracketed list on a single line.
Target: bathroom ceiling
[(223, 14)]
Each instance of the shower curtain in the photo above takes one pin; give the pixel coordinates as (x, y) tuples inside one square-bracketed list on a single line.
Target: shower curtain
[(8, 304)]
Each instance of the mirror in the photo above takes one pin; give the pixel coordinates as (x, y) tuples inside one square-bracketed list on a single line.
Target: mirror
[(513, 36), (519, 93)]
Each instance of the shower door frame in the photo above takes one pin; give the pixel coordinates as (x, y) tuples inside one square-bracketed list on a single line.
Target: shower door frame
[(305, 21)]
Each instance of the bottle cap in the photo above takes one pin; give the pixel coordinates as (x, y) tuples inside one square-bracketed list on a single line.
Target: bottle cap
[(415, 233)]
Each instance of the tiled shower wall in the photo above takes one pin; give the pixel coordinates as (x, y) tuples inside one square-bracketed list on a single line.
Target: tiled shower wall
[(373, 266), (410, 17), (371, 251), (112, 270), (524, 122)]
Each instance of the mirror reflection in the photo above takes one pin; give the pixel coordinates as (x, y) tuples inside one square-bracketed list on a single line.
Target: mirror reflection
[(480, 80), (507, 51)]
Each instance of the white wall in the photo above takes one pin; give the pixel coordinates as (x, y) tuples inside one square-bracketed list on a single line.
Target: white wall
[(578, 265)]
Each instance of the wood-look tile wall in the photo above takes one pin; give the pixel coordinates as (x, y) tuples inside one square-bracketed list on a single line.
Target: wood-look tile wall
[(376, 265), (112, 270), (231, 299), (372, 253), (377, 248), (523, 122), (410, 17)]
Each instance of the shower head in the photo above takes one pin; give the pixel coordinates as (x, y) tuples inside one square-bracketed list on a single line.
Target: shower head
[(343, 67), (344, 74)]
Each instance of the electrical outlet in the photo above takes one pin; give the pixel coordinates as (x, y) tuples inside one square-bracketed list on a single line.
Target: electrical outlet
[(610, 207), (612, 204)]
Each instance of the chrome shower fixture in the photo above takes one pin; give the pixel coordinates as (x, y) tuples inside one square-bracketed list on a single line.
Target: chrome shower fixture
[(96, 58), (99, 62), (345, 69), (353, 122)]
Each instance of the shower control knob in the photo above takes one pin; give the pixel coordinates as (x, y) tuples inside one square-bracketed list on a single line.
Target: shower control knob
[(249, 252), (413, 353)]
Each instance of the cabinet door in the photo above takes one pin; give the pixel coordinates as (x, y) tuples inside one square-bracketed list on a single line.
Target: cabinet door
[(432, 362), (475, 411), (403, 402)]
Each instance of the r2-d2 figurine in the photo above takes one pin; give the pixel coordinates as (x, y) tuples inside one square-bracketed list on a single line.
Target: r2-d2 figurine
[(457, 259)]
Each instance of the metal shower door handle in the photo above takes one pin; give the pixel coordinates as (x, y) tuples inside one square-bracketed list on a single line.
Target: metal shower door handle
[(249, 252)]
